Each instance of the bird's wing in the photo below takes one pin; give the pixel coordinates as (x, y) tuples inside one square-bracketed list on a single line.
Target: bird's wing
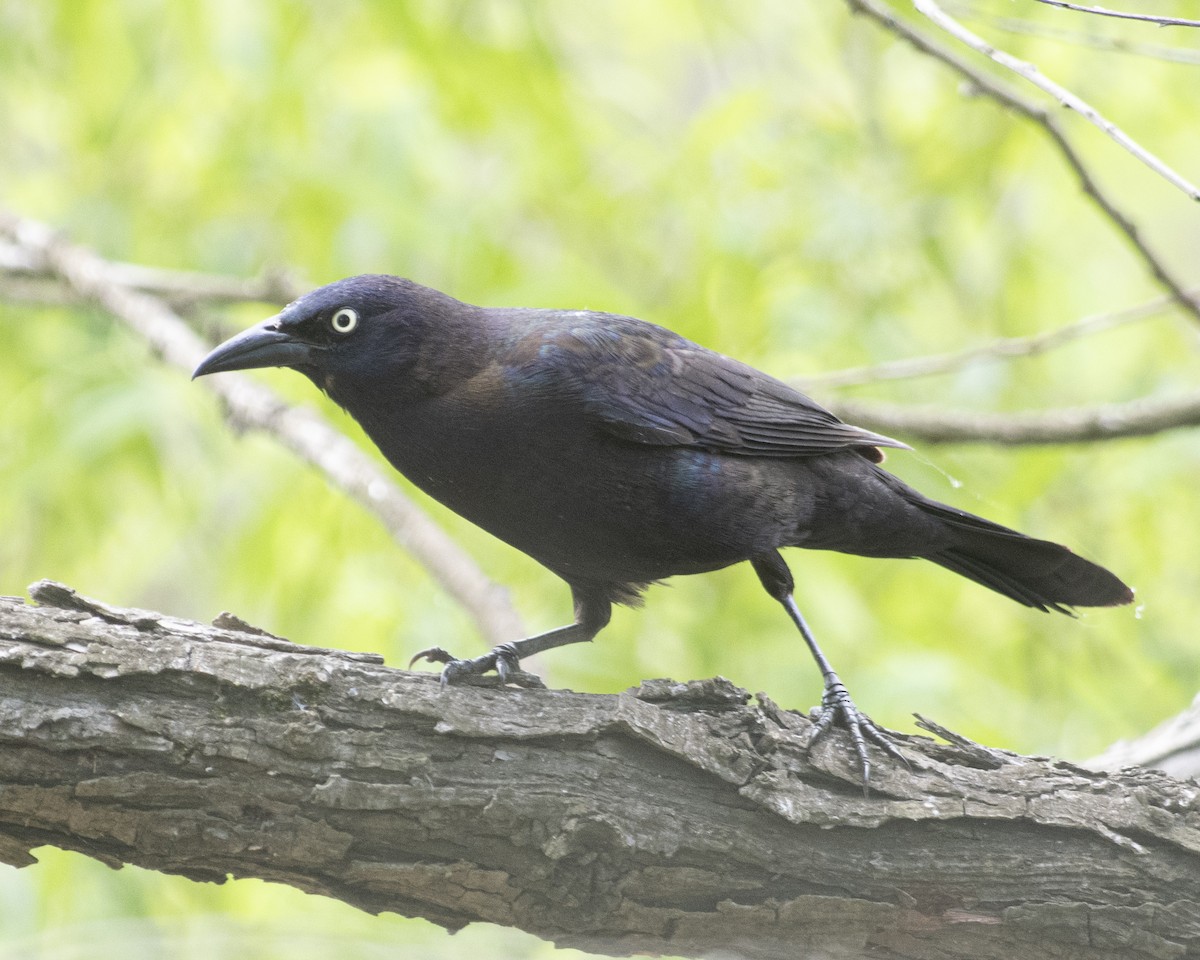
[(646, 384)]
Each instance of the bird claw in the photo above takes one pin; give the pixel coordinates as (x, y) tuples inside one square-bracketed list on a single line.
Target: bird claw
[(838, 707), (433, 655), (504, 659)]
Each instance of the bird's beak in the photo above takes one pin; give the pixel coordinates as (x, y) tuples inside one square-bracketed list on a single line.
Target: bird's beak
[(265, 345)]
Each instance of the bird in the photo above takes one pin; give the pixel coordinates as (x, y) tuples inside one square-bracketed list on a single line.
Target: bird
[(617, 454)]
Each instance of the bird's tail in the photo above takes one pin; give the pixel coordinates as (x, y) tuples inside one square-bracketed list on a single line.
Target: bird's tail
[(1037, 573)]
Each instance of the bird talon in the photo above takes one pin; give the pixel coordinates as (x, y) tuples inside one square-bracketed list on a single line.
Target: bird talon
[(505, 660), (433, 655), (838, 707)]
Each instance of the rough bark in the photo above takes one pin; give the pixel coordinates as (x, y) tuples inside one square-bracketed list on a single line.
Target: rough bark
[(676, 818)]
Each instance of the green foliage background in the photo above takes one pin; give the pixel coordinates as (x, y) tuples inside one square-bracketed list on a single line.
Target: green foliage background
[(780, 181)]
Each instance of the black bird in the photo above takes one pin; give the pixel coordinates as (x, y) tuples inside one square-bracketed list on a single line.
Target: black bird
[(617, 454)]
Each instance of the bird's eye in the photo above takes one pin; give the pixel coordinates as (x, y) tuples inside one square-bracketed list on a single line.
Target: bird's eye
[(344, 321)]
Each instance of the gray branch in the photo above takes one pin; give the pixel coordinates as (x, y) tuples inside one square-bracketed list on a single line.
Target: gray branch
[(1003, 348), (1030, 72), (1110, 421), (675, 818), (1081, 37), (1121, 15), (27, 276)]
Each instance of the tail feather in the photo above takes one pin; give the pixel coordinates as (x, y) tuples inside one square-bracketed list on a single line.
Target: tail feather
[(1036, 573)]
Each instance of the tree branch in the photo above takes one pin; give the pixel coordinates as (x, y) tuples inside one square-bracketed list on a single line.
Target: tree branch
[(184, 290), (1030, 72), (250, 405), (1083, 38), (674, 818), (991, 87), (1146, 17), (1004, 348), (1136, 418)]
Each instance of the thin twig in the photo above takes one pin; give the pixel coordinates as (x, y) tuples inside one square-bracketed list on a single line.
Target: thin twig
[(183, 289), (251, 405), (1030, 72), (996, 349), (1146, 17), (1090, 38), (990, 86), (1135, 418)]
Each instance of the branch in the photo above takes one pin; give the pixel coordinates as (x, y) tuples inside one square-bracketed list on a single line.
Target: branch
[(26, 270), (996, 349), (1136, 418), (249, 405), (1091, 39), (674, 818), (1148, 18), (1064, 96), (1005, 95)]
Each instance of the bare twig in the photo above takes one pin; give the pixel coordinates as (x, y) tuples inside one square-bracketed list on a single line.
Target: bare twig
[(995, 349), (1083, 38), (1064, 96), (1146, 17), (990, 86), (251, 405), (1135, 418), (26, 272)]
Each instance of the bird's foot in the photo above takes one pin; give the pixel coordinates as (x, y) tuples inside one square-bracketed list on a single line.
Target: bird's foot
[(837, 707), (503, 659)]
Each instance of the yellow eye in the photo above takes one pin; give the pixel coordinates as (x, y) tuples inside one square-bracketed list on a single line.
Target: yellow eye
[(344, 321)]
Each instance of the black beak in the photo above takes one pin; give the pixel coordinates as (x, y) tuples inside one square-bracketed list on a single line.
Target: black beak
[(262, 346)]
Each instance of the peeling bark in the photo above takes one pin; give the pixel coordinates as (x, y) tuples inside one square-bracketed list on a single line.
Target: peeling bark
[(675, 818)]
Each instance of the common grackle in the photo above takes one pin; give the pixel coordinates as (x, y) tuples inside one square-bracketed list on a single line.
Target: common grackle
[(617, 453)]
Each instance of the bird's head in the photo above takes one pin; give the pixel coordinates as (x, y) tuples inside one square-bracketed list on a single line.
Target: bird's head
[(350, 336)]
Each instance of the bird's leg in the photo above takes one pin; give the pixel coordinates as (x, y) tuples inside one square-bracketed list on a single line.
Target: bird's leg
[(592, 612), (836, 704), (504, 658)]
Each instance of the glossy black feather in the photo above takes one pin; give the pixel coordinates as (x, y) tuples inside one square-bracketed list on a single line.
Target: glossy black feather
[(644, 383)]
